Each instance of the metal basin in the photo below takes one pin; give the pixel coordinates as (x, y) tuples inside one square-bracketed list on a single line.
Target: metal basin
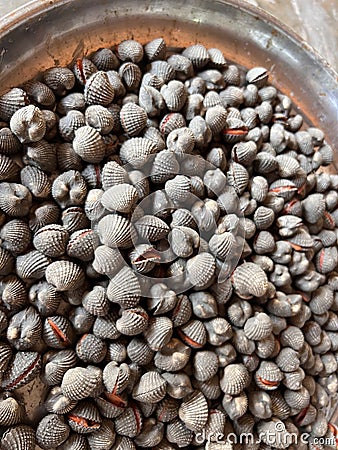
[(45, 33)]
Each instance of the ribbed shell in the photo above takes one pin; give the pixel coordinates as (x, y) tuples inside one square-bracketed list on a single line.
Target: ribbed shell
[(100, 118), (6, 262), (51, 430), (89, 145), (79, 382), (22, 369), (133, 118), (116, 231), (82, 244), (158, 332), (15, 199), (32, 265), (200, 269), (98, 90), (14, 294), (131, 75), (132, 321), (57, 364), (129, 423), (107, 261), (70, 123), (197, 54), (115, 377), (249, 280), (64, 275), (120, 198), (59, 79), (10, 410), (139, 352), (8, 168), (24, 329), (171, 121), (36, 181), (258, 327), (205, 365), (57, 332), (51, 240), (178, 433), (28, 124), (151, 228), (11, 102), (222, 245), (9, 143), (58, 403), (193, 334), (91, 349), (15, 236), (21, 437), (136, 151), (155, 49), (194, 411), (74, 218), (151, 388), (235, 379), (130, 50)]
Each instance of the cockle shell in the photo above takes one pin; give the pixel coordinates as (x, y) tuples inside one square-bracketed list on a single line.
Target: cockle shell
[(193, 334), (235, 379), (56, 364), (258, 327), (205, 365), (64, 275), (21, 370), (98, 90), (57, 332), (51, 240), (36, 181), (51, 430), (28, 124), (69, 189), (79, 382), (89, 145), (9, 143), (58, 403), (15, 236), (69, 123), (113, 174), (249, 280), (10, 410), (268, 375), (100, 118), (133, 118), (200, 269), (116, 231), (14, 294), (6, 262), (103, 438), (8, 168), (15, 199), (20, 437), (32, 265), (194, 411), (151, 228), (130, 422), (59, 79), (155, 49), (124, 288), (130, 50), (139, 352), (158, 332), (24, 329), (84, 418), (105, 59), (11, 102), (115, 377), (150, 388), (132, 321), (131, 75), (136, 151), (91, 349), (121, 198)]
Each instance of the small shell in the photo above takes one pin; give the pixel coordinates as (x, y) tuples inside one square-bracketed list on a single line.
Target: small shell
[(15, 199), (235, 379), (89, 145), (113, 174), (205, 365), (155, 49), (100, 118), (9, 143), (21, 437), (105, 59), (129, 423), (10, 410), (84, 418), (82, 244), (32, 265), (28, 124), (194, 411), (158, 332), (70, 123), (322, 299), (151, 228), (222, 245), (193, 334), (151, 388), (8, 168), (133, 118), (57, 332), (132, 321), (58, 403), (130, 50), (91, 349), (96, 301), (24, 329), (121, 198), (171, 121), (162, 70), (258, 327), (74, 102), (287, 360), (131, 75), (299, 399), (174, 95), (238, 177), (197, 54), (69, 189), (51, 430), (182, 65), (14, 295), (249, 280), (11, 102), (36, 181), (120, 91), (51, 240), (64, 275), (215, 118), (136, 151), (116, 231), (98, 90), (56, 365), (268, 376), (104, 438), (15, 236), (6, 262), (74, 218), (79, 382), (200, 269), (107, 260), (23, 368), (41, 154), (59, 79)]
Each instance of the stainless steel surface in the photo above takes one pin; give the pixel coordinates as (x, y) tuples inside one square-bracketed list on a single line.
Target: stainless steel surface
[(48, 32)]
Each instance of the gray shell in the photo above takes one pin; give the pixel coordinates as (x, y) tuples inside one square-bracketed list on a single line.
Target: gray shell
[(20, 437)]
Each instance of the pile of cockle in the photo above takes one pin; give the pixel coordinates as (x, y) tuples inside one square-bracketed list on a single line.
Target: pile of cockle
[(168, 255)]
